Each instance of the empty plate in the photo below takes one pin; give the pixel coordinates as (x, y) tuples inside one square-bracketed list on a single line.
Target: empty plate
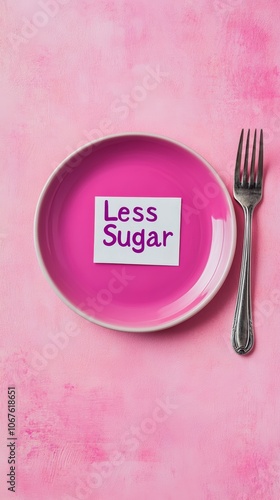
[(135, 297)]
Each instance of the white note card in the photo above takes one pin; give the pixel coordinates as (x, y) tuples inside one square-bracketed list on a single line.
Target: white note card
[(129, 230)]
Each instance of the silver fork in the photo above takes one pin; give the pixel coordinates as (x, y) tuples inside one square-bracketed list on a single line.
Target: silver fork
[(248, 187)]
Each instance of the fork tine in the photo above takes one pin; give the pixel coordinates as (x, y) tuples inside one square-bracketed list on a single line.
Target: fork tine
[(260, 164), (252, 170), (238, 160), (245, 171)]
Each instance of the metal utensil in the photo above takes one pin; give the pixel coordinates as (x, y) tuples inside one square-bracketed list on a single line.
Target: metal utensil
[(248, 188)]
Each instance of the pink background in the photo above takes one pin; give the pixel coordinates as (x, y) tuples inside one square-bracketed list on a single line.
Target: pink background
[(89, 423)]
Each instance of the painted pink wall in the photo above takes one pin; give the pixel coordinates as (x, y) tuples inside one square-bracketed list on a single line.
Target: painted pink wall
[(65, 74)]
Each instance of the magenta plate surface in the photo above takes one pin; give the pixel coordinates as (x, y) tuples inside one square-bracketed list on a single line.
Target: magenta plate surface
[(135, 297)]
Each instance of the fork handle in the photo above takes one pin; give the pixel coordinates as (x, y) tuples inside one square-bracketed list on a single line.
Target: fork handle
[(242, 330)]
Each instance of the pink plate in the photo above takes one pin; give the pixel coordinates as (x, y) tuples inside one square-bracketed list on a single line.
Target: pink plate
[(135, 297)]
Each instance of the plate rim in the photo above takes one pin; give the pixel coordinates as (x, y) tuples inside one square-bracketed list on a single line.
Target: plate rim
[(182, 317)]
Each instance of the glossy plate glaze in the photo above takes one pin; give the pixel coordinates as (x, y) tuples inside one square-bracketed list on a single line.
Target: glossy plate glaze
[(135, 297)]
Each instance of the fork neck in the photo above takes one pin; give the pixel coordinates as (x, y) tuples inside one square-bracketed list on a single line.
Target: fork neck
[(248, 210)]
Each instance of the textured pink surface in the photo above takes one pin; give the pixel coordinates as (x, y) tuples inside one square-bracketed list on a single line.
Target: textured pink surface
[(174, 415), (134, 297)]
